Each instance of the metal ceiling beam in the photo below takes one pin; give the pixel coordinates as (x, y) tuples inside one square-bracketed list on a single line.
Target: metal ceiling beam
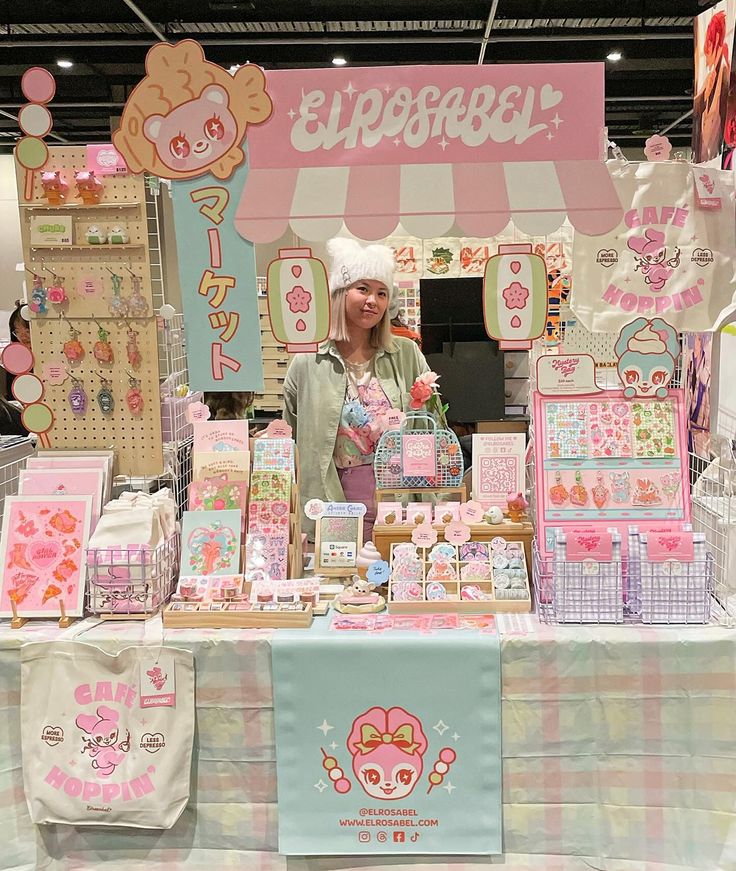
[(329, 40), (486, 35), (51, 135), (146, 20)]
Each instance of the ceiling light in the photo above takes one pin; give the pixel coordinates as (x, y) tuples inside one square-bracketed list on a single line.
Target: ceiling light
[(614, 56), (64, 64), (339, 60)]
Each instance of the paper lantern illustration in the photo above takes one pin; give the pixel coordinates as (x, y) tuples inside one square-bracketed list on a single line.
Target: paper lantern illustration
[(298, 300), (515, 296)]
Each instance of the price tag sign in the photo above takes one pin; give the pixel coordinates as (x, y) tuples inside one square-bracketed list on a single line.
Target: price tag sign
[(278, 429), (471, 512), (395, 418), (424, 535), (378, 572), (314, 509), (54, 372), (457, 533), (197, 411)]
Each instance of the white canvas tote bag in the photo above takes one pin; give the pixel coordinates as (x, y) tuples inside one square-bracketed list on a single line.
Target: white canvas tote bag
[(107, 739), (672, 256)]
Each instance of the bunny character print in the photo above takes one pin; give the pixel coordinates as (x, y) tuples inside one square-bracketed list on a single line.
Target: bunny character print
[(102, 740)]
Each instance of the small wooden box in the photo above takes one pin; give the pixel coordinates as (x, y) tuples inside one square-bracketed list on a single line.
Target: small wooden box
[(229, 618)]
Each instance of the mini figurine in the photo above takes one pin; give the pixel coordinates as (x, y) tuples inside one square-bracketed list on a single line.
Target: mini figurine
[(517, 506), (359, 597), (118, 236), (95, 235), (89, 187), (55, 188), (494, 515)]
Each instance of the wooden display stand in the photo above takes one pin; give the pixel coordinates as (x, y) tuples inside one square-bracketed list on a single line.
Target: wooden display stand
[(17, 622), (87, 280), (384, 535), (183, 619)]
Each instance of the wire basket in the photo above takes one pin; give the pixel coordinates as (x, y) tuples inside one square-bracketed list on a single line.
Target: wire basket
[(133, 582), (398, 449), (629, 590)]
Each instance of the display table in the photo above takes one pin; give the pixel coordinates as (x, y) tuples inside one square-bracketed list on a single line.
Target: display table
[(619, 752)]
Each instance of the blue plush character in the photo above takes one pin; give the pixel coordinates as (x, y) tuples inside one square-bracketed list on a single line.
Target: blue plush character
[(647, 352)]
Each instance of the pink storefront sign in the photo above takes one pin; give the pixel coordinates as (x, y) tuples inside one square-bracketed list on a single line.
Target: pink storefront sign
[(431, 115)]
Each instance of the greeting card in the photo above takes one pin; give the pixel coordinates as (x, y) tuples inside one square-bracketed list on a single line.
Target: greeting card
[(220, 435), (64, 482), (218, 494), (42, 553), (498, 466), (273, 454), (267, 486), (211, 542), (230, 465)]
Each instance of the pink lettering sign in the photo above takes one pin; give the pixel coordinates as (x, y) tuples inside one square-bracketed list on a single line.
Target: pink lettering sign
[(431, 114), (583, 546), (663, 546), (419, 459)]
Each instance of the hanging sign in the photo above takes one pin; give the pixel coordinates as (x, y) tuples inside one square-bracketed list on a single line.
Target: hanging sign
[(559, 374)]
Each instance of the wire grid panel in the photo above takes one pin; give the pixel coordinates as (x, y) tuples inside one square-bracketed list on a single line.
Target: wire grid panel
[(131, 582), (13, 459), (390, 456), (674, 592), (713, 487)]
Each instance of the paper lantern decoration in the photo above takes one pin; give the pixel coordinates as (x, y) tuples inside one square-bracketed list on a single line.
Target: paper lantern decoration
[(298, 300), (515, 296)]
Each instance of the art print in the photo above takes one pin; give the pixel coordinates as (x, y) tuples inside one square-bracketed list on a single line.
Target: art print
[(64, 482), (220, 436), (211, 542), (42, 549)]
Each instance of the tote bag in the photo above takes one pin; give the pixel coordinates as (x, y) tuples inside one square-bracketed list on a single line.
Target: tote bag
[(107, 739), (672, 255)]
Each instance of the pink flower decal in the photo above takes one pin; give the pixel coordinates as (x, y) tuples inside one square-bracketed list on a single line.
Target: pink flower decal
[(298, 299), (515, 295)]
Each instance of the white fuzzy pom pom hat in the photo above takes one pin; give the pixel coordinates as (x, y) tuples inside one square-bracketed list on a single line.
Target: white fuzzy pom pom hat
[(350, 262)]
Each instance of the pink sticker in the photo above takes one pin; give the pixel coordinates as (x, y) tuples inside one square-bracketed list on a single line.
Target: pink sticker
[(105, 160), (589, 545), (89, 287), (457, 533), (54, 372), (663, 546), (471, 512), (424, 535), (419, 459)]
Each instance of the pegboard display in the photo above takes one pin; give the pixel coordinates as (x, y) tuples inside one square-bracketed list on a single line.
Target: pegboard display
[(135, 438)]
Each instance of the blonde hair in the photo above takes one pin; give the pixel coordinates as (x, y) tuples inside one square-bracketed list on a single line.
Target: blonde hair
[(381, 336)]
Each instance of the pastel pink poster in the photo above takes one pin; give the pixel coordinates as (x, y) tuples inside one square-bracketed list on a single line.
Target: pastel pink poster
[(419, 458), (65, 482), (42, 549)]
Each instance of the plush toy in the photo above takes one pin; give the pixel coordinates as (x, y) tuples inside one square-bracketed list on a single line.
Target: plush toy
[(118, 236), (55, 188), (494, 515), (359, 597)]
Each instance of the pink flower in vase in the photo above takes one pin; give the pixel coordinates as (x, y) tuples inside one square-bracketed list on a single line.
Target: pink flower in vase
[(299, 299), (515, 295), (419, 393)]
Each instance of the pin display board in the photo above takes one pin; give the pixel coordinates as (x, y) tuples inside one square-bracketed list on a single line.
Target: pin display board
[(87, 281)]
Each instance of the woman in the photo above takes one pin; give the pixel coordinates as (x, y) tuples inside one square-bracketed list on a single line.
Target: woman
[(337, 400)]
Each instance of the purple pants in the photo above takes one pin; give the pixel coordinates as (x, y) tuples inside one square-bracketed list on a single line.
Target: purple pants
[(359, 485)]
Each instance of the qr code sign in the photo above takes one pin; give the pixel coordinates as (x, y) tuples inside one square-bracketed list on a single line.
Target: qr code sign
[(498, 476)]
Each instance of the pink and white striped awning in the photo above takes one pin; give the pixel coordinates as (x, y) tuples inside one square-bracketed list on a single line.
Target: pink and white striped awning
[(427, 200)]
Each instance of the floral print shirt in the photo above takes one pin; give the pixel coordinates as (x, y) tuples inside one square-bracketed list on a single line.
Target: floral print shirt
[(362, 423)]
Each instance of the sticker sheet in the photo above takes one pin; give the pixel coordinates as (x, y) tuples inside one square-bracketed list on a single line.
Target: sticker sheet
[(42, 549)]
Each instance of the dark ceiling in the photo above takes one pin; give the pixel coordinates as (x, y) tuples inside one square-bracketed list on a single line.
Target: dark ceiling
[(647, 90)]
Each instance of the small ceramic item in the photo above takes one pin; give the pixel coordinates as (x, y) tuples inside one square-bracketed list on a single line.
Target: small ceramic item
[(95, 235), (78, 397), (134, 397), (558, 494), (89, 187), (118, 235), (73, 349), (578, 493), (102, 350), (55, 188), (105, 399), (436, 592), (494, 515)]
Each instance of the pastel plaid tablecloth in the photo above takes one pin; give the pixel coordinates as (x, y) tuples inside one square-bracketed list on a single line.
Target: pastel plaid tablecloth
[(619, 754)]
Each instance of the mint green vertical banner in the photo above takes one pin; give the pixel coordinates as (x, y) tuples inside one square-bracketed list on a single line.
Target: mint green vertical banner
[(217, 271)]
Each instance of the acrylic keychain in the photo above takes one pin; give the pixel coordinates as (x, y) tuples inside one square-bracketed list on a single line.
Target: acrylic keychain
[(77, 396), (72, 349), (134, 396), (118, 306), (137, 305), (38, 295), (55, 292), (558, 494), (105, 399), (102, 350), (134, 352), (600, 492), (578, 493)]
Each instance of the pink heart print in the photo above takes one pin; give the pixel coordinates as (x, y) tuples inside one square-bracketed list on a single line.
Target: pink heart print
[(44, 553), (515, 266)]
